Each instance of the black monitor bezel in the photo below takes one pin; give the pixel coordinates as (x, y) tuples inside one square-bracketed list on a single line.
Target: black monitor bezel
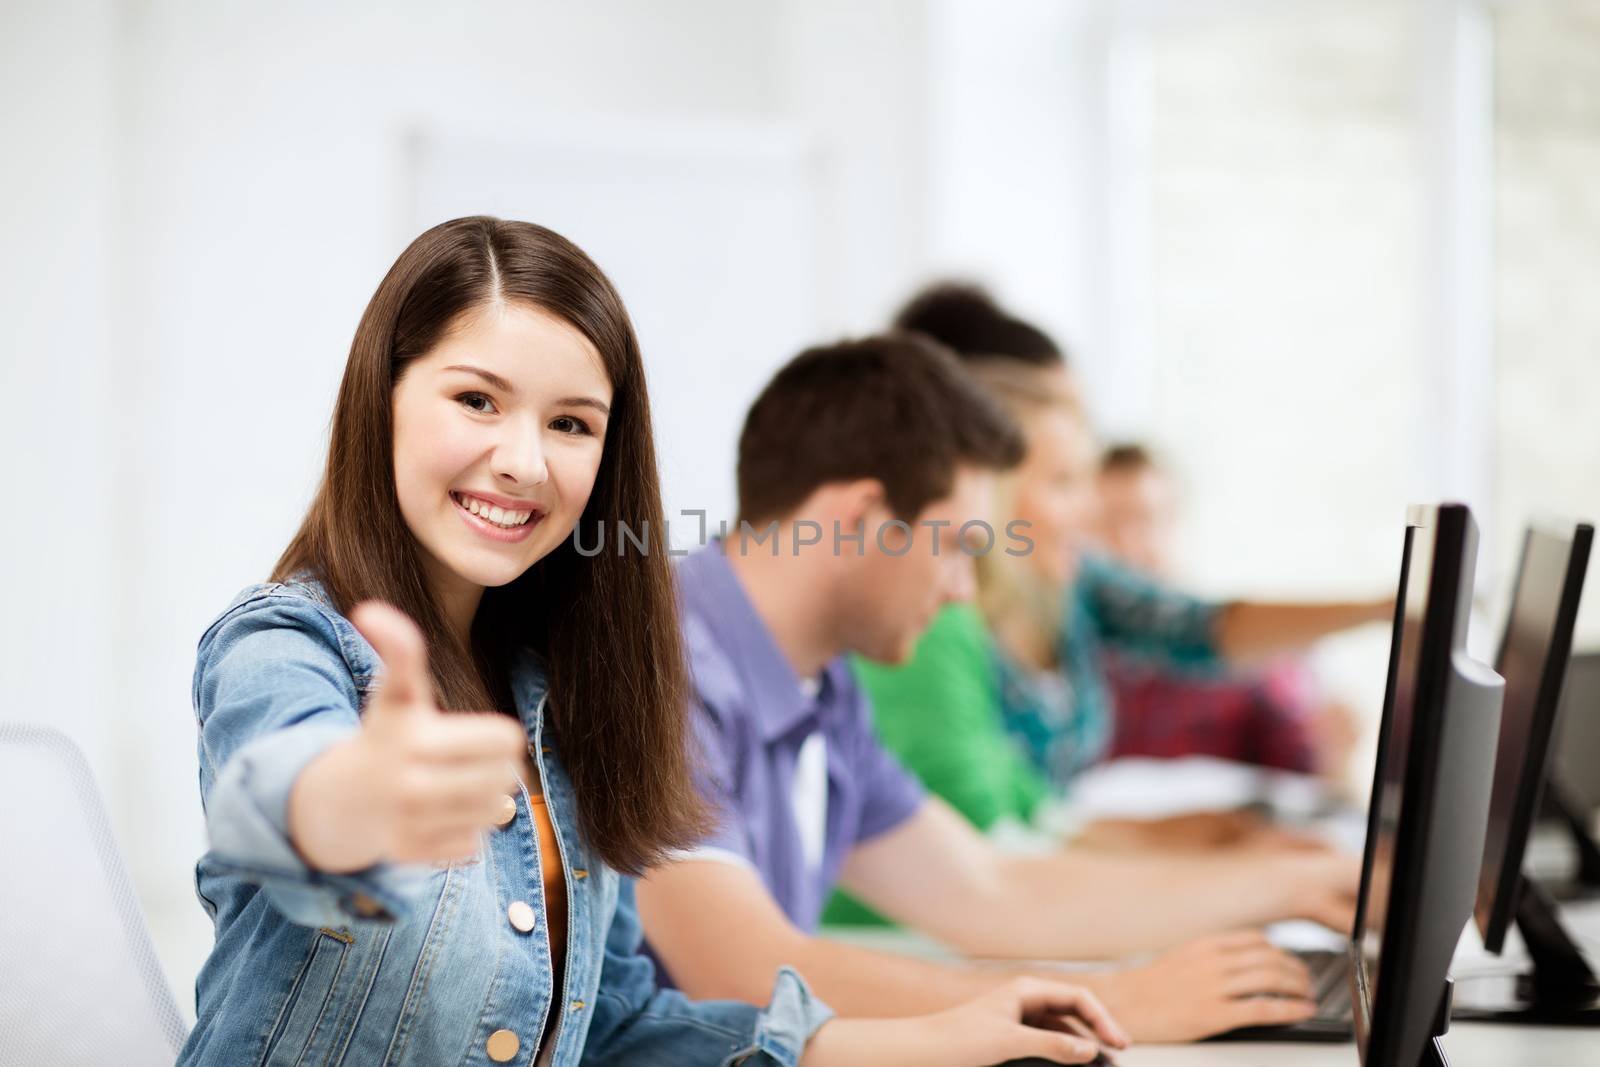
[(1498, 892), (1385, 718), (1441, 633)]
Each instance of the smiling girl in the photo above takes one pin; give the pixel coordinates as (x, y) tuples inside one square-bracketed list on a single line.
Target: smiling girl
[(436, 743)]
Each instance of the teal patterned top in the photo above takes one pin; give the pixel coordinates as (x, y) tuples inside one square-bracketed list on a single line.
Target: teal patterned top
[(1062, 717)]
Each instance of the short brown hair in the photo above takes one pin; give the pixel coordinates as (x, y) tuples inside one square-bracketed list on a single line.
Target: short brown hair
[(1129, 457), (896, 407), (966, 317)]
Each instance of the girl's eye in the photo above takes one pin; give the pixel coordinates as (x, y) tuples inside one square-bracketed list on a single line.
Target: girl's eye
[(476, 402), (568, 424)]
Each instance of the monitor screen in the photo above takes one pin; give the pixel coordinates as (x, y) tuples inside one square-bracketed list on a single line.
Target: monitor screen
[(1533, 654), (1430, 797), (1388, 787), (1577, 744)]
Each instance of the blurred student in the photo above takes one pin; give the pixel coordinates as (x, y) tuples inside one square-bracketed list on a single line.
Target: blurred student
[(1272, 717), (422, 813), (1036, 643), (1049, 706), (865, 474)]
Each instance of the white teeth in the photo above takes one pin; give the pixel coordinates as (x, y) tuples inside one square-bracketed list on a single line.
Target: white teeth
[(496, 515)]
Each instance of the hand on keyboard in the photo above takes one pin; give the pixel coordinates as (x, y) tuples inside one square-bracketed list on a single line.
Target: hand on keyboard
[(1207, 987)]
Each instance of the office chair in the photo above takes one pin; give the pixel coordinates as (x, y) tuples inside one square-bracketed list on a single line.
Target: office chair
[(81, 980)]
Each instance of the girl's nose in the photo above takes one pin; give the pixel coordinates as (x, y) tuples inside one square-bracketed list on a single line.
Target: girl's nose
[(519, 458)]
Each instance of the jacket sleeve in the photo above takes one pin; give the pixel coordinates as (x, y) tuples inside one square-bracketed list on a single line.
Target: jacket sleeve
[(637, 1025), (272, 691)]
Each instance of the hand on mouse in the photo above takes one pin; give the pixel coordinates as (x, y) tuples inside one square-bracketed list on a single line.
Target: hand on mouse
[(1031, 1017), (1026, 1017)]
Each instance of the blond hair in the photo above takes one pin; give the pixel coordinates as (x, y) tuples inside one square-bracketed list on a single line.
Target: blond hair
[(1009, 593)]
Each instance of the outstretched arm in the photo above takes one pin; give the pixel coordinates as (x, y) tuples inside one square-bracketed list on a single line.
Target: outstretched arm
[(720, 934), (937, 874), (1252, 630), (690, 905)]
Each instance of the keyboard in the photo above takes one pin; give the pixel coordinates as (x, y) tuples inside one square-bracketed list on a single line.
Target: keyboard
[(1330, 985), (1330, 982)]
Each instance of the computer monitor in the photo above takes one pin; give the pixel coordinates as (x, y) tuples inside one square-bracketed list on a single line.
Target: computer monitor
[(1578, 735), (1430, 800), (1533, 660), (1572, 785)]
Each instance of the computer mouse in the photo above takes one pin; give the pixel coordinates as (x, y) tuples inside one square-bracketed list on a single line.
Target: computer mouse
[(1100, 1060)]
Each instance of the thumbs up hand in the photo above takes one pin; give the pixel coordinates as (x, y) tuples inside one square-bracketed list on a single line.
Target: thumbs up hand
[(415, 784)]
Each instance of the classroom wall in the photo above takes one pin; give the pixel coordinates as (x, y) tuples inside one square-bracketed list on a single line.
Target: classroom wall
[(62, 527), (198, 202)]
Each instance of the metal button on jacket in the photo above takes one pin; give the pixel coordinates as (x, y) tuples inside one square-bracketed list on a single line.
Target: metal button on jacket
[(521, 915), (502, 1045), (508, 811)]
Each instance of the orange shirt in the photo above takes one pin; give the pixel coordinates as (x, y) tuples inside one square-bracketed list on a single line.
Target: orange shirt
[(555, 886)]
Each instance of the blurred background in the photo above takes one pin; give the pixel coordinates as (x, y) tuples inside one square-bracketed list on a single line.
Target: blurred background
[(1329, 256)]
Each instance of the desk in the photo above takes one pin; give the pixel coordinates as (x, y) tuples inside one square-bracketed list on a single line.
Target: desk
[(1145, 789), (1466, 1045)]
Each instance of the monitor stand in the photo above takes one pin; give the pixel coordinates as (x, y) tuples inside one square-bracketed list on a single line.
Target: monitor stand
[(1560, 990), (1433, 1052)]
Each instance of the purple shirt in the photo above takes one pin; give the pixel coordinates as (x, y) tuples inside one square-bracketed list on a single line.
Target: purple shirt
[(798, 778)]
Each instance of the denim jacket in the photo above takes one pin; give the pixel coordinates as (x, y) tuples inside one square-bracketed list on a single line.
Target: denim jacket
[(412, 964)]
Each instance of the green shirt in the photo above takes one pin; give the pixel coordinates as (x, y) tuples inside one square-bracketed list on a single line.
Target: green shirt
[(992, 738), (940, 713)]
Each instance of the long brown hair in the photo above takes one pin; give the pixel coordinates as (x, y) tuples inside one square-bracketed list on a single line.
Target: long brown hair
[(605, 627)]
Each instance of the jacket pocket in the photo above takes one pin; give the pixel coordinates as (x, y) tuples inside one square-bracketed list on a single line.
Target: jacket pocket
[(306, 1010)]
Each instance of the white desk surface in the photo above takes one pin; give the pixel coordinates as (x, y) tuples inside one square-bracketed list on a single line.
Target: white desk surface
[(1466, 1045)]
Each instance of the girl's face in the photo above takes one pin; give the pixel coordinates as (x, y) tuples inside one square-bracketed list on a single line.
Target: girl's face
[(1056, 492), (498, 433)]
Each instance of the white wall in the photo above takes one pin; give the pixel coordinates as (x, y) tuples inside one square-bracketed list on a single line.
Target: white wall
[(60, 545), (198, 201), (1017, 138)]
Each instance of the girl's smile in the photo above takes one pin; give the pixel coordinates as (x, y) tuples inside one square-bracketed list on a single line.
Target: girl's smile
[(496, 517)]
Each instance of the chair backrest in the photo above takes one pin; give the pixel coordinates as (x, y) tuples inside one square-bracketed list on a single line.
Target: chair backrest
[(81, 982)]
